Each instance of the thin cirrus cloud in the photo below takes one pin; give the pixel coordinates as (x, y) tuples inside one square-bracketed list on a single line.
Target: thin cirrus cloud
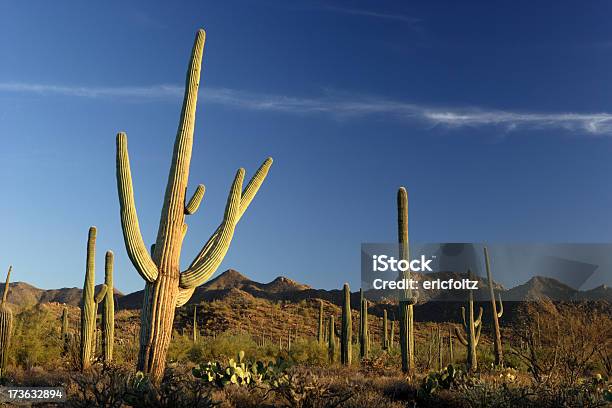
[(374, 14), (338, 106)]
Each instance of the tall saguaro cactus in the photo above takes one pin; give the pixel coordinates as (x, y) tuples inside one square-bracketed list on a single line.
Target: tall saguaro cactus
[(166, 287), (347, 327), (195, 324), (108, 315), (497, 344), (6, 325), (408, 299), (472, 328), (90, 301)]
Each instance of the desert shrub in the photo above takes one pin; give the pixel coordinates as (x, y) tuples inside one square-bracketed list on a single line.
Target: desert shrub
[(36, 340), (308, 352)]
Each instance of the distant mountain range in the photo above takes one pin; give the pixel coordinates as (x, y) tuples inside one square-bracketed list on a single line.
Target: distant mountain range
[(231, 282)]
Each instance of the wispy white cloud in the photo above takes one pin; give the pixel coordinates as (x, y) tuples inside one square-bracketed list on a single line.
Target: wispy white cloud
[(375, 14), (340, 106)]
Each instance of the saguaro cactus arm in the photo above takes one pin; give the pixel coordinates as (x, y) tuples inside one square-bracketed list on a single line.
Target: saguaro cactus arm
[(465, 324), (136, 249), (196, 199), (247, 196), (6, 285), (100, 296), (478, 320), (500, 311), (477, 337), (461, 337), (184, 295), (201, 271)]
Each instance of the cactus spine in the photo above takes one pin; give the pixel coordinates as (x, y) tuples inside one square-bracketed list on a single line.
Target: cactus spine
[(364, 340), (108, 315), (406, 303), (497, 345), (331, 340), (385, 339), (6, 325), (472, 328), (346, 337), (166, 287), (89, 307), (320, 333)]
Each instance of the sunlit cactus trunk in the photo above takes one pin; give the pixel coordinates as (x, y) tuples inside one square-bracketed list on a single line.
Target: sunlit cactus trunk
[(6, 326), (89, 304), (346, 335), (408, 299), (497, 344), (472, 328), (166, 286), (108, 312), (195, 324), (364, 343)]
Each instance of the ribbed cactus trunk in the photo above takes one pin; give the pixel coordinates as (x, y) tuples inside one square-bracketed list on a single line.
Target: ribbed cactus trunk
[(497, 344), (6, 326), (385, 339), (331, 340), (108, 312), (195, 324), (364, 343), (346, 337), (320, 333), (89, 303), (166, 287), (408, 299), (472, 328)]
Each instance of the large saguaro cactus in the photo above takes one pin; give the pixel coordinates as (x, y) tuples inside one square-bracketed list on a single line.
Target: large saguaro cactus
[(408, 298), (6, 325), (497, 344), (166, 287), (90, 301), (472, 328), (364, 343), (347, 327), (108, 315)]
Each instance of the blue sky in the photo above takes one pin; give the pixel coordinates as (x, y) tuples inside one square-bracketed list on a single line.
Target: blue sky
[(496, 117)]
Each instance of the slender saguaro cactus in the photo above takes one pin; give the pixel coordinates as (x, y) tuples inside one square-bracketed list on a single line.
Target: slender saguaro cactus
[(108, 315), (407, 301), (472, 328), (364, 343), (360, 315), (331, 340), (320, 334), (64, 331), (497, 344), (451, 356), (6, 325), (89, 307), (346, 341), (392, 336), (385, 339), (195, 324), (165, 286)]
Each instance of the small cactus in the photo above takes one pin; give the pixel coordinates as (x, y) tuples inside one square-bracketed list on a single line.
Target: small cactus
[(385, 339), (472, 328), (320, 334), (6, 325), (364, 341), (331, 340), (346, 336)]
